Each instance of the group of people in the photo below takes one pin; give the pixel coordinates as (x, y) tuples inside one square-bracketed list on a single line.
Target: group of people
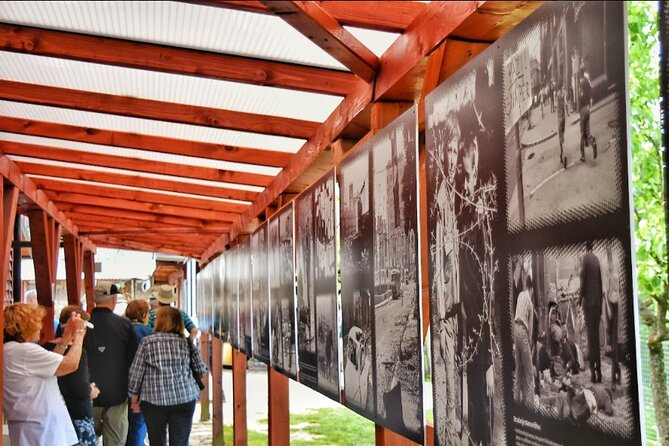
[(122, 378), (558, 358)]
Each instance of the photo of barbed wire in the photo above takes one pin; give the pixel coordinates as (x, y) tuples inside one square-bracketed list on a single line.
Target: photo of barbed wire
[(463, 136)]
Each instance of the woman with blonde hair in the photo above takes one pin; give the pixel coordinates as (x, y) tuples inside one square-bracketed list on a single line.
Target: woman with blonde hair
[(33, 406), (163, 378)]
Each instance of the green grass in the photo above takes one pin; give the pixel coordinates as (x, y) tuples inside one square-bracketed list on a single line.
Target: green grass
[(336, 427)]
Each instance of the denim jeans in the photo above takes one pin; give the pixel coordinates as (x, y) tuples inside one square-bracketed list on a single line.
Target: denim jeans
[(179, 418), (136, 429)]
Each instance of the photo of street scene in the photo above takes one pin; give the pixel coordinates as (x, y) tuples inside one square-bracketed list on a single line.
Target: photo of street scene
[(357, 283), (287, 291), (564, 112), (282, 298), (325, 255), (306, 296), (244, 275), (573, 336), (260, 295), (218, 298), (231, 305), (399, 381), (462, 136)]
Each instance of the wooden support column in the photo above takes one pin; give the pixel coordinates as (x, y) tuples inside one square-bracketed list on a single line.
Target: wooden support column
[(279, 412), (45, 243), (204, 397), (239, 397), (73, 266), (217, 390), (385, 437), (10, 195), (89, 279)]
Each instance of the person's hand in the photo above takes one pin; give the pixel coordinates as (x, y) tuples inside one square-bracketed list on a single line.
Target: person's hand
[(95, 391), (134, 404)]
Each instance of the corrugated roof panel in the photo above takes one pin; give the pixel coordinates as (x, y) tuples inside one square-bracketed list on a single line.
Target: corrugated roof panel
[(150, 127), (140, 174), (140, 154), (178, 24), (377, 41), (166, 87)]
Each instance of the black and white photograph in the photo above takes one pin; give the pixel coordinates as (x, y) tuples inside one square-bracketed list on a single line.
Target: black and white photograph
[(260, 295), (231, 305), (399, 381), (244, 275), (306, 296), (573, 338), (203, 294), (463, 142), (220, 307), (282, 300), (325, 253), (564, 113), (357, 283)]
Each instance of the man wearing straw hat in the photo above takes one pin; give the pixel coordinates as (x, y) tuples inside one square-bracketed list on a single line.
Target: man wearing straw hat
[(165, 297)]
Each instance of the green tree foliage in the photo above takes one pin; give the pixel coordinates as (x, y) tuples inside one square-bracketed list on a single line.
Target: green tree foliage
[(649, 198)]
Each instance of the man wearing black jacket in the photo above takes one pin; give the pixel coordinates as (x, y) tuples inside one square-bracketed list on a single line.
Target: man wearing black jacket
[(110, 348)]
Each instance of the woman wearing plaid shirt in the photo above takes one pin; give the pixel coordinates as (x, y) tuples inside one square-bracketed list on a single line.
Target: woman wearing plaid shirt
[(161, 381)]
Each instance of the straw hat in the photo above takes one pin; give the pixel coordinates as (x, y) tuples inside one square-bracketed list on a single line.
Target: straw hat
[(165, 294)]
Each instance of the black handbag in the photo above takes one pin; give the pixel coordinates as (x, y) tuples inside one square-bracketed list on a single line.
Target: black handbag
[(193, 371)]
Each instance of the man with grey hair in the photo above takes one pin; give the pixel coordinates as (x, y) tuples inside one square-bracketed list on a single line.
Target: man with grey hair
[(110, 347)]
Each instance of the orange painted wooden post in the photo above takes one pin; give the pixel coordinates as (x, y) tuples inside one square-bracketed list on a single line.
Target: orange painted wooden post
[(73, 264), (239, 397), (279, 412), (385, 437), (45, 243), (217, 390), (204, 397), (10, 196), (89, 278)]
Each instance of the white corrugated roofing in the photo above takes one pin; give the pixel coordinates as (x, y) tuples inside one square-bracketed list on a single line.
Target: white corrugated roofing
[(149, 127), (166, 87), (178, 24)]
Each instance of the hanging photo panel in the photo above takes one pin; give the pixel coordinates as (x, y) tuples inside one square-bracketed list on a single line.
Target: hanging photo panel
[(282, 292), (260, 295), (244, 275)]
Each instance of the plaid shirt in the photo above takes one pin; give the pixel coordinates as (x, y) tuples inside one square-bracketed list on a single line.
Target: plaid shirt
[(160, 373)]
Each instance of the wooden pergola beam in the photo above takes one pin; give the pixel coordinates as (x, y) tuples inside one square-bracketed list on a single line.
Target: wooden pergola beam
[(394, 65), (133, 215), (168, 59), (121, 206), (426, 32), (158, 110), (137, 246), (93, 229), (183, 242), (40, 152), (327, 33), (152, 143), (393, 17), (74, 253), (54, 187), (134, 180), (86, 221), (13, 174)]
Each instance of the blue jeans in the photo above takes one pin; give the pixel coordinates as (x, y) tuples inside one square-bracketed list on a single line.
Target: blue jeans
[(136, 429), (179, 418)]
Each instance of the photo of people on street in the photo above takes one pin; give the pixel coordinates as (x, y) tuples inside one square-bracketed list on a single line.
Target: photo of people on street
[(399, 387), (463, 136), (572, 338), (357, 283), (564, 113)]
